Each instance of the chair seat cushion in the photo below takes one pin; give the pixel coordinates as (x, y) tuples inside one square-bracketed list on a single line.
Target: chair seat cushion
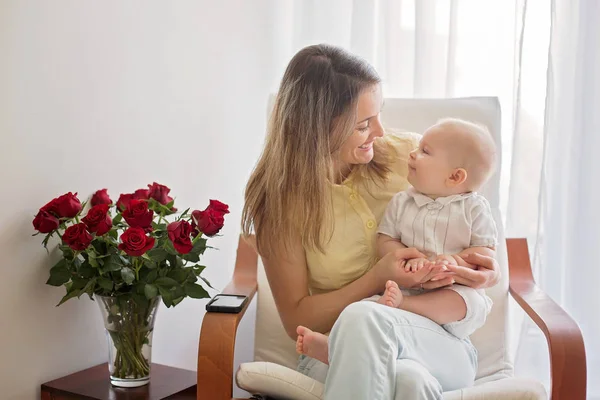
[(269, 379)]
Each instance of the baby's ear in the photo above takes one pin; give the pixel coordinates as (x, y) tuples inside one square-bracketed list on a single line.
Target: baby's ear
[(458, 177)]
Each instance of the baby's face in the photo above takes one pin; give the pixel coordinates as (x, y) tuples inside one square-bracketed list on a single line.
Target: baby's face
[(429, 166)]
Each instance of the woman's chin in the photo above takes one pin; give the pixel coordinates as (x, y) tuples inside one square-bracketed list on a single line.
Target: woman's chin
[(365, 158)]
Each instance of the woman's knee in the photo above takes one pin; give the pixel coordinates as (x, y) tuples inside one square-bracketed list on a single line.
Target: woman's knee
[(359, 310), (365, 313), (414, 381), (356, 319)]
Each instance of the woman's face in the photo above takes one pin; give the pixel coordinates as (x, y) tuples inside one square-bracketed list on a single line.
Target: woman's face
[(358, 148)]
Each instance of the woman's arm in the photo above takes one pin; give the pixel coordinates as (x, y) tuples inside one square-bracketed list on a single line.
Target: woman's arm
[(486, 275), (288, 279), (386, 243), (459, 259)]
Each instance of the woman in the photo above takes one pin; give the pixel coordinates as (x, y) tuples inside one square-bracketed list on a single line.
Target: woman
[(314, 201)]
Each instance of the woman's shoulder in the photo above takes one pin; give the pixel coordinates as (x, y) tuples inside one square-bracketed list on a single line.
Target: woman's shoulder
[(402, 142)]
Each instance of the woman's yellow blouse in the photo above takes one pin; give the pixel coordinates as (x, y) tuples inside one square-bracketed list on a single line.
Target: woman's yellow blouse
[(358, 208)]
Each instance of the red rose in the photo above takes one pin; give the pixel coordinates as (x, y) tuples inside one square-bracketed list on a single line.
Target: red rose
[(77, 237), (179, 234), (218, 206), (51, 207), (65, 206), (100, 197), (135, 243), (159, 193), (137, 214), (44, 222), (125, 199), (98, 220), (141, 194), (208, 221)]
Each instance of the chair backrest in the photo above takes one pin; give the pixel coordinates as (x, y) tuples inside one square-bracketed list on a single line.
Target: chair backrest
[(492, 341)]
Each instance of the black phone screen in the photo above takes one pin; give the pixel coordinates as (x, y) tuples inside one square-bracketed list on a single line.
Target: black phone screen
[(228, 301)]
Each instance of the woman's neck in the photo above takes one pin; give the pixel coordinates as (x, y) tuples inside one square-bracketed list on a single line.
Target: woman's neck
[(340, 174)]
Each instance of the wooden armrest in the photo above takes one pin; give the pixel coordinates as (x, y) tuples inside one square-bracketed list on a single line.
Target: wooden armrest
[(565, 342), (217, 336)]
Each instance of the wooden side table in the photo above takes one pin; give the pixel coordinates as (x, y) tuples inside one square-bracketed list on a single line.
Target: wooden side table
[(94, 384)]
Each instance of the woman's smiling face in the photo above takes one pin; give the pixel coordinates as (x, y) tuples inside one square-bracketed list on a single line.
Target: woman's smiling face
[(358, 148)]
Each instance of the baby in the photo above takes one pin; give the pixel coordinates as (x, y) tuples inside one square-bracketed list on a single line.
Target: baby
[(445, 219)]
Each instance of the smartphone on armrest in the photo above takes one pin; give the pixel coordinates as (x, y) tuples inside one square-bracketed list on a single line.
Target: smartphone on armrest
[(227, 303)]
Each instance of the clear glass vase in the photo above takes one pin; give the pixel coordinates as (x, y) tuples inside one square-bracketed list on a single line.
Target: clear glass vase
[(129, 328)]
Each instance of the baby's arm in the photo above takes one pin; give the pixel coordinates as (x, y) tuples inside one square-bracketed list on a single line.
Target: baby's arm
[(484, 235), (388, 235)]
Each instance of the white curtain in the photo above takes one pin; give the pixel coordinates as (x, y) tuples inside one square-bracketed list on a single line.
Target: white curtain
[(568, 238), (542, 59)]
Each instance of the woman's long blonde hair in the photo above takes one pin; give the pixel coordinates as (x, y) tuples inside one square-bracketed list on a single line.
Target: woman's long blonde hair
[(288, 196)]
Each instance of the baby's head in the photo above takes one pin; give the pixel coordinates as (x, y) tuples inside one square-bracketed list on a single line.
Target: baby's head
[(454, 156)]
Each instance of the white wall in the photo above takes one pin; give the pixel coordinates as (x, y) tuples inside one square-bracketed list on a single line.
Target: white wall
[(117, 95)]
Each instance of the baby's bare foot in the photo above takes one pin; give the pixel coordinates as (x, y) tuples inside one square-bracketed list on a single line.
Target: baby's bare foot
[(392, 296), (312, 344)]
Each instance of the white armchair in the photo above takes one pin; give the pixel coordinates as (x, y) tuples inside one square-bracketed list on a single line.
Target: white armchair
[(273, 371)]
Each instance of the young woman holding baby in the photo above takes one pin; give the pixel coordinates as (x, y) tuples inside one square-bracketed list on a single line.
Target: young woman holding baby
[(316, 201)]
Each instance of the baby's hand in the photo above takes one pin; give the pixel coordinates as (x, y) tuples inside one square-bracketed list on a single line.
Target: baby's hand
[(415, 264)]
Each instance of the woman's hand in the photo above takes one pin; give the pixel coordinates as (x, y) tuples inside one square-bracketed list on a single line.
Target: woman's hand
[(391, 266), (436, 277), (486, 275)]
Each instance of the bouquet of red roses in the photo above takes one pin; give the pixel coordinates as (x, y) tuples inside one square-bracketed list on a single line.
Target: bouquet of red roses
[(128, 256), (129, 248)]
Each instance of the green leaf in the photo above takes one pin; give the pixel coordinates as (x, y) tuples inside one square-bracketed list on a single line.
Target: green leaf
[(93, 262), (89, 288), (78, 282), (199, 246), (98, 247), (150, 264), (150, 291), (112, 263), (166, 295), (170, 249), (105, 283), (140, 300), (127, 275), (69, 295), (195, 291), (191, 256), (86, 271), (183, 215), (178, 300), (67, 252), (157, 254), (174, 261), (191, 275), (198, 269), (179, 274), (165, 282), (159, 227), (118, 218), (207, 282), (59, 274), (113, 234), (152, 275)]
